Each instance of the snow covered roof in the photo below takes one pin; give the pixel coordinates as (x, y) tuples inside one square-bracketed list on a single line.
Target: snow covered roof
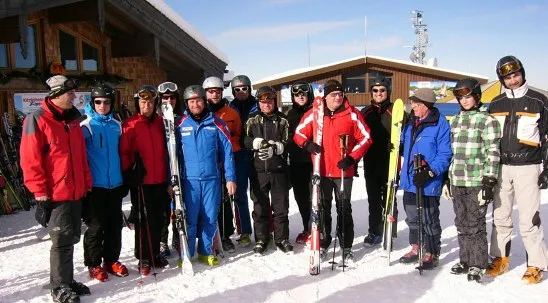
[(406, 65), (172, 15)]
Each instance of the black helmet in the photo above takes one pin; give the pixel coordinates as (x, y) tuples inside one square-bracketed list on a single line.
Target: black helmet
[(467, 86), (302, 87), (381, 81), (194, 91), (508, 65), (103, 91), (264, 90)]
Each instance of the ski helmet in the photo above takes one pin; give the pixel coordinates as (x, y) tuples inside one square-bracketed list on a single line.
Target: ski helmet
[(508, 65), (171, 88), (213, 82), (240, 80), (194, 91), (302, 87), (146, 92), (103, 91), (381, 81), (467, 86), (264, 90)]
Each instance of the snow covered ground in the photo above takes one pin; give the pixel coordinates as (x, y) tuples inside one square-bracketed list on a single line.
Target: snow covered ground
[(276, 277)]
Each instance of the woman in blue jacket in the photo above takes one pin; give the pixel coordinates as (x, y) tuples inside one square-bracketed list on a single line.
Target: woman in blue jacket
[(427, 133), (203, 142), (103, 238)]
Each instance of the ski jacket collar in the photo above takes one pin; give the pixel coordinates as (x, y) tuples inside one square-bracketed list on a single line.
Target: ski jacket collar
[(90, 112), (66, 115), (381, 107), (344, 109), (214, 107), (518, 92)]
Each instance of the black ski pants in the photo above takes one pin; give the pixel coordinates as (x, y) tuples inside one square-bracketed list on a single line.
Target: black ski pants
[(471, 226), (266, 185), (301, 175), (345, 223), (167, 221), (431, 227), (64, 228), (148, 230), (375, 184), (103, 238)]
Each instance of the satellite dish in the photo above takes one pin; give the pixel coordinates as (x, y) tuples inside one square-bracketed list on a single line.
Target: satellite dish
[(432, 62)]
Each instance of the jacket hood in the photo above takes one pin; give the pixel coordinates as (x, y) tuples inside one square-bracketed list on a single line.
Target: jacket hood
[(90, 111)]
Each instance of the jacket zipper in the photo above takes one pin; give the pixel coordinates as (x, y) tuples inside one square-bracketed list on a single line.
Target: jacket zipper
[(67, 129)]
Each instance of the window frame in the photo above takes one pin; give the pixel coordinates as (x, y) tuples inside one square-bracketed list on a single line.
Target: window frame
[(360, 73), (11, 47), (80, 39)]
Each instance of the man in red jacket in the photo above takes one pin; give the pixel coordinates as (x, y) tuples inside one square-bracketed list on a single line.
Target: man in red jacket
[(55, 170), (340, 118), (143, 142)]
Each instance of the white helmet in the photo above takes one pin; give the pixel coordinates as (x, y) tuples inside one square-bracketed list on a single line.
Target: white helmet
[(213, 82)]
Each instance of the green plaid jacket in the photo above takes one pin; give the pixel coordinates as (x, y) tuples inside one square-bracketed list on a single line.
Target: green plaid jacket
[(475, 142)]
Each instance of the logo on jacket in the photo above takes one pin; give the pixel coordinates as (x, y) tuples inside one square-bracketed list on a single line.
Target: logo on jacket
[(186, 128)]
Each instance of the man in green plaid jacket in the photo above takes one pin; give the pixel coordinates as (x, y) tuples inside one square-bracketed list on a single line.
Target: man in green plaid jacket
[(475, 140)]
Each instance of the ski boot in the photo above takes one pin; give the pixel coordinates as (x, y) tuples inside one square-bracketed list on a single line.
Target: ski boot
[(412, 256), (244, 240), (210, 260), (302, 237), (348, 256), (430, 261), (533, 275), (285, 246), (475, 274), (323, 254), (371, 240), (228, 246), (460, 268), (144, 267), (260, 247), (98, 273), (79, 288), (64, 294), (164, 250), (499, 266), (160, 261), (116, 268)]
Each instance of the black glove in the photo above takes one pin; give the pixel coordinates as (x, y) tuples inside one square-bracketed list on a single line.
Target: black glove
[(135, 175), (486, 194), (312, 147), (424, 175), (543, 179), (390, 147), (43, 212), (133, 215), (346, 162), (86, 209)]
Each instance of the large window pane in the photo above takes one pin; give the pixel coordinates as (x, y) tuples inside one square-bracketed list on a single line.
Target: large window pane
[(90, 55), (30, 61), (3, 55), (69, 51), (354, 82)]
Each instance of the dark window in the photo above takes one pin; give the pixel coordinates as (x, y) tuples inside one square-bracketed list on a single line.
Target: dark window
[(30, 61), (90, 57), (69, 51), (375, 74), (354, 82), (3, 55)]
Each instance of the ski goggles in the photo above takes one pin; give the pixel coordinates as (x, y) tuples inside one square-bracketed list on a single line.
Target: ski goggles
[(509, 68), (167, 86), (68, 85), (265, 98), (147, 92), (462, 92), (241, 88), (300, 89)]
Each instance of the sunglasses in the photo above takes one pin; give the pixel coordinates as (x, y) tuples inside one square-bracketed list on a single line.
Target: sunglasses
[(167, 86), (299, 89), (266, 98), (376, 90), (335, 94), (171, 97), (509, 68), (215, 90), (243, 89), (99, 102)]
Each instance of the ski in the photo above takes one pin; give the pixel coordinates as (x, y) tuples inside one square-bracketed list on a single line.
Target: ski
[(390, 221), (180, 216), (317, 126)]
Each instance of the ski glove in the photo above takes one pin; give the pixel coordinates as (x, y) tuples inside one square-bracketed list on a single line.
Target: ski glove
[(43, 212), (277, 146), (423, 176), (266, 153), (543, 179), (135, 175), (312, 147), (346, 162), (258, 143), (86, 209), (486, 195)]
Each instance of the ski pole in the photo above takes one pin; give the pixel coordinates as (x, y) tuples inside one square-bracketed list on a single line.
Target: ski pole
[(343, 142), (417, 162)]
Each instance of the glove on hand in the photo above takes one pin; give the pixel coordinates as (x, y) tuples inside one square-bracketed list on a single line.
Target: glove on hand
[(543, 179), (258, 143), (424, 175), (277, 146), (312, 147), (266, 153), (346, 162), (486, 195), (446, 192)]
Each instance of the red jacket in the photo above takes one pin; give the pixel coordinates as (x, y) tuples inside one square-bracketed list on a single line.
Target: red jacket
[(344, 121), (53, 155), (148, 138)]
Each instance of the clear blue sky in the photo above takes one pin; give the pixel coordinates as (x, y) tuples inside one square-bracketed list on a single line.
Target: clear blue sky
[(266, 37)]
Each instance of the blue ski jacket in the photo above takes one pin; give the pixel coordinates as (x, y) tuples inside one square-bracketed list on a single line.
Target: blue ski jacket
[(102, 136), (432, 138), (203, 147)]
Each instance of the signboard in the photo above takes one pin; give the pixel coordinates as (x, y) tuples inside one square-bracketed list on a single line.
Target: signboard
[(286, 93), (441, 88), (29, 102)]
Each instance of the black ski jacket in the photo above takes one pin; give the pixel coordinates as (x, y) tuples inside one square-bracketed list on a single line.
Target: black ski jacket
[(294, 115), (378, 117)]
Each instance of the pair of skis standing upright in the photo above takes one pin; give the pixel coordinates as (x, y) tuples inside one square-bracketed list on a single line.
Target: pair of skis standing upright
[(392, 183)]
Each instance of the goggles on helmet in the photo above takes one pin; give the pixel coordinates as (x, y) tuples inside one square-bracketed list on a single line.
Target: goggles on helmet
[(147, 92), (68, 85), (299, 88), (167, 86), (462, 92), (509, 68)]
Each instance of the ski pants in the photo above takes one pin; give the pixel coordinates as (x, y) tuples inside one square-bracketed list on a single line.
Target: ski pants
[(202, 200), (345, 223), (431, 229), (167, 220), (276, 186), (243, 162), (301, 175), (148, 231), (103, 238), (471, 226), (225, 217), (64, 228), (375, 184), (519, 183)]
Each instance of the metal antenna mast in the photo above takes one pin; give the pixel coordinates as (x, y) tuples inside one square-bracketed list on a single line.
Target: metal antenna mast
[(419, 49)]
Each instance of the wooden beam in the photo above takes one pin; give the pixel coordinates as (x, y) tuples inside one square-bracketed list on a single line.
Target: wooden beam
[(80, 11), (18, 7)]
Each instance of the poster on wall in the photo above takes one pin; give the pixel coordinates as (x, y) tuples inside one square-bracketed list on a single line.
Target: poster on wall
[(442, 89), (29, 102), (286, 94), (318, 90)]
